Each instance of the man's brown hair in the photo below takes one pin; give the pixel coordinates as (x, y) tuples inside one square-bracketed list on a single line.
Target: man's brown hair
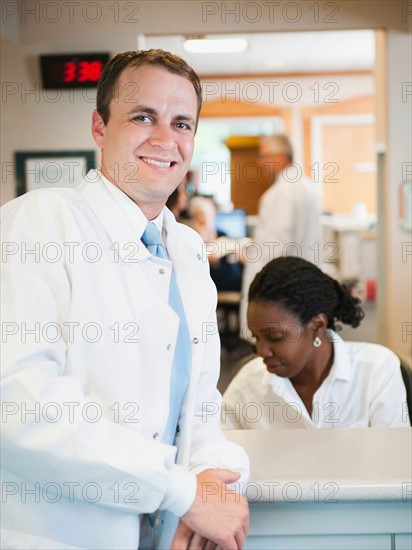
[(106, 89)]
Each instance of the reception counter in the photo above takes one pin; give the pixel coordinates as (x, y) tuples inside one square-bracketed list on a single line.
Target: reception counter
[(329, 489)]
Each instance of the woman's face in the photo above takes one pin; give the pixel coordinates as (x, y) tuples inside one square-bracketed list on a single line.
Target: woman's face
[(285, 345)]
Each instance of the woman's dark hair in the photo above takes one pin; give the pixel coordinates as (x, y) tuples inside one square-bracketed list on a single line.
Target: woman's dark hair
[(106, 89), (303, 289)]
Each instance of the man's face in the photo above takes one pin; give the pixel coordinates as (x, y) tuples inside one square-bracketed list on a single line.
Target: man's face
[(271, 163), (148, 142)]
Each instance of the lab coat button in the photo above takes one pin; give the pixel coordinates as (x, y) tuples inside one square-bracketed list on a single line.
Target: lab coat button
[(156, 436), (169, 347), (199, 256), (161, 271), (195, 340)]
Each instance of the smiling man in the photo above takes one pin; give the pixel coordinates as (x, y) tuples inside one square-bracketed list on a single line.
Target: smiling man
[(147, 142), (124, 353)]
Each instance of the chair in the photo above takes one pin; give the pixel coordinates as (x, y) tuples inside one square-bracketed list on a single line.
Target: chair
[(407, 380), (228, 318)]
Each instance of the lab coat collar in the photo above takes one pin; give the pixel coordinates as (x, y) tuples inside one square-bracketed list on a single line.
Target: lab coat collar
[(122, 219), (132, 211), (125, 223)]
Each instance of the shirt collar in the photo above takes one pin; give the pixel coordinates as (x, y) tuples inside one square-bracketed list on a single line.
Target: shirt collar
[(341, 368), (132, 211)]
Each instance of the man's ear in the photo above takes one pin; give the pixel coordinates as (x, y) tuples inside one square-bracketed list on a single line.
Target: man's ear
[(98, 128)]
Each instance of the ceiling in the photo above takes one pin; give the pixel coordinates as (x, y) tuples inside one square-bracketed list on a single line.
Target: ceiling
[(272, 53)]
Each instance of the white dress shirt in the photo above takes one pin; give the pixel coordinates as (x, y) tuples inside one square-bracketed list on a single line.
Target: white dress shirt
[(364, 388)]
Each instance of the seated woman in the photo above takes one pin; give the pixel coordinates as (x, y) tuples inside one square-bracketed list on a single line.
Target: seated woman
[(306, 375)]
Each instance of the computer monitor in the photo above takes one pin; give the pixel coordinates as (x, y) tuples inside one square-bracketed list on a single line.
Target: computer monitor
[(232, 224)]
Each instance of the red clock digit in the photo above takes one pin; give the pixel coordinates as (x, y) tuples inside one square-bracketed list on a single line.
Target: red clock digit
[(95, 70), (82, 71), (69, 71)]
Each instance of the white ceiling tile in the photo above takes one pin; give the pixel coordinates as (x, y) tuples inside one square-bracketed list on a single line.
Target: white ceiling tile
[(281, 52)]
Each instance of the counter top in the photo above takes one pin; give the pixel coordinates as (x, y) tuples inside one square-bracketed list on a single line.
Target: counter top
[(349, 222), (353, 465)]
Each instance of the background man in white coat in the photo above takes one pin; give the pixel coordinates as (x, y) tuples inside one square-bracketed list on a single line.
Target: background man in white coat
[(289, 216), (101, 424)]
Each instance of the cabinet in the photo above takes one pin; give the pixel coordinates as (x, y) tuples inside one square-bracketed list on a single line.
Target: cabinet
[(323, 526), (248, 181)]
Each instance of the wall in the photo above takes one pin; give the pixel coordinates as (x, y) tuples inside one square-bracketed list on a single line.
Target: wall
[(397, 321), (33, 122)]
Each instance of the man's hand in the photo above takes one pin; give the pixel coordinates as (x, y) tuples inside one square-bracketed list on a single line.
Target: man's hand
[(218, 517)]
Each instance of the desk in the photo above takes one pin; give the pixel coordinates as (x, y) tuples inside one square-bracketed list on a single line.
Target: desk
[(329, 489), (345, 239)]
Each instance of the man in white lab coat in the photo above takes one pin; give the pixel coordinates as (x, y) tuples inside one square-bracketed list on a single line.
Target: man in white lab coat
[(289, 216), (90, 339)]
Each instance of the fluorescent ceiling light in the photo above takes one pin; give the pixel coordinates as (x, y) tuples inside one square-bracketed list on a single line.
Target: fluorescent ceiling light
[(221, 45), (272, 63)]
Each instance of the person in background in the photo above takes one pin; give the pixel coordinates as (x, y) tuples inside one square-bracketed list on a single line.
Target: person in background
[(104, 397), (224, 254), (306, 376), (178, 201), (289, 214), (202, 213)]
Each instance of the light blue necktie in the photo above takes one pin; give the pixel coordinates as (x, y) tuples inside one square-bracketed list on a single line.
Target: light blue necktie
[(182, 356)]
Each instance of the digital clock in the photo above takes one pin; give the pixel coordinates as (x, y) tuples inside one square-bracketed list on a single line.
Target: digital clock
[(72, 70)]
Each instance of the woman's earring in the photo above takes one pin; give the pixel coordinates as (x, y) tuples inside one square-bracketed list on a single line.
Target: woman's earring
[(317, 342)]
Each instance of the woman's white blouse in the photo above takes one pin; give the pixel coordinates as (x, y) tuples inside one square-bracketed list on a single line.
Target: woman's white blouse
[(363, 389)]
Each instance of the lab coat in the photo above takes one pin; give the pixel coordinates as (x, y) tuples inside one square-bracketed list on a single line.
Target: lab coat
[(95, 372), (288, 224)]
